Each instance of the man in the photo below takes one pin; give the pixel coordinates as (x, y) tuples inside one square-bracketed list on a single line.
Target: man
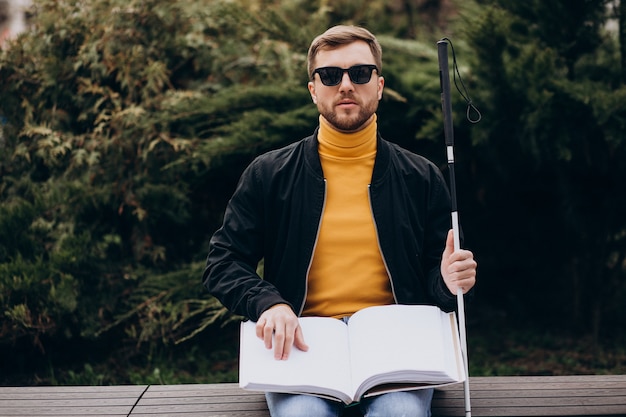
[(343, 220)]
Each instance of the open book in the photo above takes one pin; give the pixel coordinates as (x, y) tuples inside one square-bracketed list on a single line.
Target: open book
[(381, 349)]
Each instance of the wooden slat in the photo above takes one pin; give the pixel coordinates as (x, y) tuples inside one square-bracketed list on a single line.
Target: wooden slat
[(83, 389), (492, 396), (536, 396), (46, 393), (207, 400), (593, 395), (79, 407), (101, 401)]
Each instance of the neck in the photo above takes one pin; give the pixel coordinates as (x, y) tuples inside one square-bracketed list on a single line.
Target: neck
[(333, 141)]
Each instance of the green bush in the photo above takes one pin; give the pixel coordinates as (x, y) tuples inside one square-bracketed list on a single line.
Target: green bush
[(125, 126)]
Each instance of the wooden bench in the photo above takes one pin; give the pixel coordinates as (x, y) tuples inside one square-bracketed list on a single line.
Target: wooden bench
[(593, 395)]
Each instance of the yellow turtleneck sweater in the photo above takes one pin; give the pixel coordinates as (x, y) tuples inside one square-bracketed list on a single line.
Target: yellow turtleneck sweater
[(347, 272)]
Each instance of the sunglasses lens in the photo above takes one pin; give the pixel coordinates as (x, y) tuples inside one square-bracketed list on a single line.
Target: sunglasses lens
[(330, 75), (359, 74)]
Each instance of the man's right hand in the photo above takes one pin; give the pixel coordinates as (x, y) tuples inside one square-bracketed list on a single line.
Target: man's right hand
[(280, 324)]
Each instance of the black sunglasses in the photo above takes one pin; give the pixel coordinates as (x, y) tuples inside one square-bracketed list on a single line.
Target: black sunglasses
[(359, 74)]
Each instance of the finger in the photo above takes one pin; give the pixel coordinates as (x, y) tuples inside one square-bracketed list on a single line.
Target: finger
[(285, 341), (466, 278), (460, 255), (460, 273), (287, 345), (291, 334), (461, 260), (259, 327), (279, 342), (467, 265), (299, 340), (268, 334)]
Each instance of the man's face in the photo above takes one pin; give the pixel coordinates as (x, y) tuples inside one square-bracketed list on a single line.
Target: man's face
[(347, 106)]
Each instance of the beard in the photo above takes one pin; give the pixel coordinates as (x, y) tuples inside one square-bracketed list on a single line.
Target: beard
[(349, 121)]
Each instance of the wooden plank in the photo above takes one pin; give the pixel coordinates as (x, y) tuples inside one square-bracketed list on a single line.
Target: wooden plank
[(259, 409), (490, 397), (549, 378), (511, 401), (65, 401), (101, 401), (483, 410), (207, 400), (536, 396), (592, 395), (37, 411), (242, 399), (82, 389), (67, 392), (538, 393), (202, 413)]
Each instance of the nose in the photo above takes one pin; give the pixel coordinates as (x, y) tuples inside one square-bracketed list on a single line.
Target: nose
[(346, 83)]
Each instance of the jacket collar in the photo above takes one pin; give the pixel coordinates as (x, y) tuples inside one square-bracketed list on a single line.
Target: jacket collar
[(381, 164)]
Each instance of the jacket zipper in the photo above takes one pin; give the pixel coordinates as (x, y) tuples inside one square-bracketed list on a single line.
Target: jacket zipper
[(308, 269), (382, 255)]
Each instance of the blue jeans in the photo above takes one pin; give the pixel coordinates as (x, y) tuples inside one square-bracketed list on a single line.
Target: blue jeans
[(394, 404)]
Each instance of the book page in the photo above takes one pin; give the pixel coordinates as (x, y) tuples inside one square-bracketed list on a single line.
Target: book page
[(453, 338), (326, 365), (403, 341)]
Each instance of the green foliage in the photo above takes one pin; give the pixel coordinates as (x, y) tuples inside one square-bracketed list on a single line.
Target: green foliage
[(126, 124), (86, 376), (572, 28), (550, 151), (512, 347), (41, 260), (125, 127)]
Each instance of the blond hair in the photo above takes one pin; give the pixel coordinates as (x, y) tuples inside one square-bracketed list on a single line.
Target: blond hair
[(342, 35)]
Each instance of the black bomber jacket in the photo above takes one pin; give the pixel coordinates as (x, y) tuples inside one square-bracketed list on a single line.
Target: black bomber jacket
[(275, 213)]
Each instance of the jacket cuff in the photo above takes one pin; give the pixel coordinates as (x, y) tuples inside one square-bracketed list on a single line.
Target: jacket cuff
[(267, 302)]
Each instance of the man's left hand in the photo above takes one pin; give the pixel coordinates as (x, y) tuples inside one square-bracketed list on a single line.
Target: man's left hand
[(458, 268)]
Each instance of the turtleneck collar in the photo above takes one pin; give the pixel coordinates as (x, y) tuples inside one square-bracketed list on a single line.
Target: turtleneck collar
[(347, 145)]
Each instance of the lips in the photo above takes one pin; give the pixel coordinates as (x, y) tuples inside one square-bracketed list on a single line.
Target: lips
[(346, 102)]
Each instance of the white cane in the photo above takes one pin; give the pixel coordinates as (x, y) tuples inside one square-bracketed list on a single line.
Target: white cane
[(444, 76)]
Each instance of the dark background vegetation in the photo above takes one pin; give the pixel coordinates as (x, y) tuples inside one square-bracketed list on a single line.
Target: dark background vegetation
[(125, 126)]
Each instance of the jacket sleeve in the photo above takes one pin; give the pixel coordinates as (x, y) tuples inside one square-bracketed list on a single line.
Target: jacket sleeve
[(235, 250)]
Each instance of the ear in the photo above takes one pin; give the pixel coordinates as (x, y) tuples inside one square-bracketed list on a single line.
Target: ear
[(311, 86), (381, 86)]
